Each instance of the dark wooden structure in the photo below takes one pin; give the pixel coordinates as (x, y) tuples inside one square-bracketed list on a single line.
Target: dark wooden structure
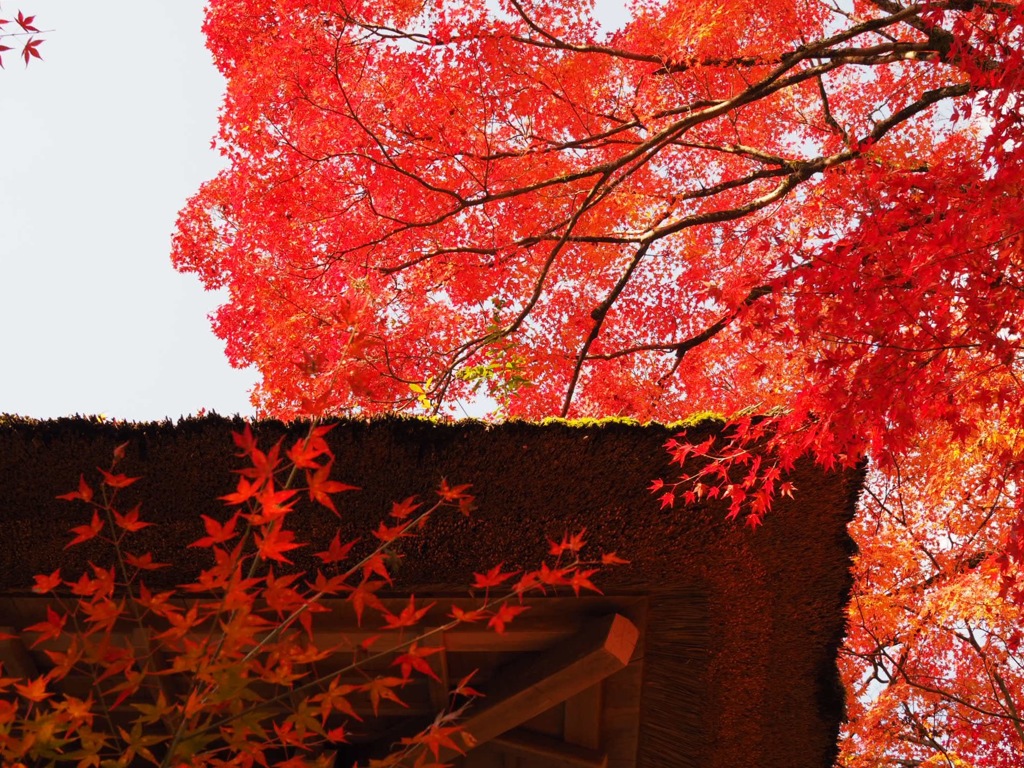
[(714, 647)]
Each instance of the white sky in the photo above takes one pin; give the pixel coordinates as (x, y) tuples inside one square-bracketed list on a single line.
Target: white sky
[(100, 145)]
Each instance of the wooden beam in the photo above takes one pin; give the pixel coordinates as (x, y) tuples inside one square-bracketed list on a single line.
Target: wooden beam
[(521, 636), (582, 725), (536, 745), (525, 689), (439, 688), (15, 657)]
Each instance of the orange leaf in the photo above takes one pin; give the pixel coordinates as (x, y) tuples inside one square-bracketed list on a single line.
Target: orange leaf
[(130, 520), (381, 688), (363, 597), (218, 533), (410, 615), (402, 509), (492, 578), (45, 584), (84, 492), (116, 481), (275, 542), (86, 532), (34, 690), (320, 487), (336, 551), (504, 615), (416, 658)]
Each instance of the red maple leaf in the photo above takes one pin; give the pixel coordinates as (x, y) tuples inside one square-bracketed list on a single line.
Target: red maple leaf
[(336, 551), (130, 520), (246, 490), (415, 658), (572, 544), (49, 629), (86, 532), (610, 558), (274, 542), (364, 596), (382, 688), (409, 617), (84, 492), (46, 584), (436, 738), (321, 488), (402, 509), (116, 481), (217, 533), (505, 613), (492, 578)]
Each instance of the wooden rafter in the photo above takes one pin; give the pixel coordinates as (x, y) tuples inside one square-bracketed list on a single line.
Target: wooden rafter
[(582, 723), (534, 685), (534, 745), (15, 657), (439, 688)]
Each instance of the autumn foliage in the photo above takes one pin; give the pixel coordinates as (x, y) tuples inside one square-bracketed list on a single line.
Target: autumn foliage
[(802, 211), (228, 670), (23, 29)]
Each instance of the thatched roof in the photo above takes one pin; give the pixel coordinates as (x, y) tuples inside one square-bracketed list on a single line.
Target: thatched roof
[(740, 628)]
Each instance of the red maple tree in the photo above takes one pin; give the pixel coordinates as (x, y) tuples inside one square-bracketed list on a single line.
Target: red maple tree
[(808, 211)]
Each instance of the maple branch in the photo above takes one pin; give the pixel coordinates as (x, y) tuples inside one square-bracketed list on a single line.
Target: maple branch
[(685, 346), (667, 66), (469, 348), (997, 679), (899, 666), (648, 148), (803, 170), (682, 347), (829, 119), (598, 315), (741, 150)]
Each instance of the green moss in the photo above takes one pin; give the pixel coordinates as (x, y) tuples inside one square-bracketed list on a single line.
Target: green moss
[(700, 418), (589, 422)]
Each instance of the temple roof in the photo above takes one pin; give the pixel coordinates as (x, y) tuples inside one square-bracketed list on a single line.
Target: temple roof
[(735, 631)]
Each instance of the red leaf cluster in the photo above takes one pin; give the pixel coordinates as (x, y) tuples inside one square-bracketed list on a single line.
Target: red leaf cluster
[(196, 665)]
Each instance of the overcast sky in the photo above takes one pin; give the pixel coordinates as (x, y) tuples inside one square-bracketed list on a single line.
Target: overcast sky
[(101, 143)]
